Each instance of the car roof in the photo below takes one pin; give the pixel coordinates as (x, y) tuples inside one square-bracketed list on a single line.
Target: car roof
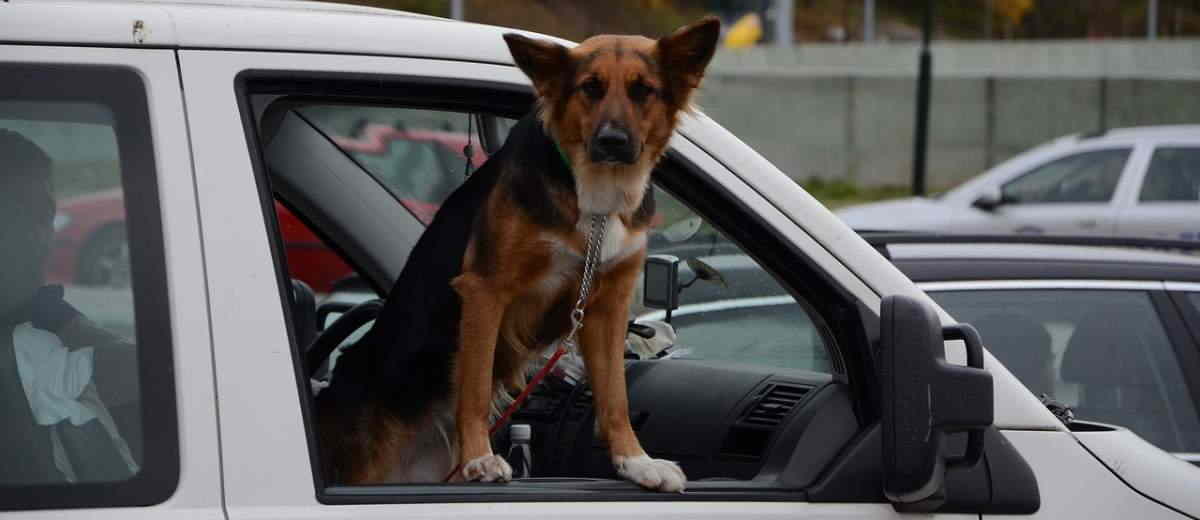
[(278, 5), (275, 25), (1160, 132), (933, 262)]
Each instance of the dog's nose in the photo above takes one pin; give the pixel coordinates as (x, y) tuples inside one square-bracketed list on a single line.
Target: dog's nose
[(610, 136), (612, 143)]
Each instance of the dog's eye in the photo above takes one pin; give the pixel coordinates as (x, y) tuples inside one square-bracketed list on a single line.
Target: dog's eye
[(639, 91), (593, 88)]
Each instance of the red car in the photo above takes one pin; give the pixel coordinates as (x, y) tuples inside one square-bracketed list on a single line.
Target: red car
[(90, 247)]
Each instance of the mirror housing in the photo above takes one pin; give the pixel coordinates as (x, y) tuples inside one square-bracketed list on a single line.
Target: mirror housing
[(660, 289), (989, 199), (923, 398)]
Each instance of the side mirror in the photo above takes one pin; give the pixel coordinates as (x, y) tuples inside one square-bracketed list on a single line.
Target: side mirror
[(990, 199), (924, 398)]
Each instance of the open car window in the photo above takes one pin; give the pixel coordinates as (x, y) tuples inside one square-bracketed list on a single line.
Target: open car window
[(743, 316), (741, 367)]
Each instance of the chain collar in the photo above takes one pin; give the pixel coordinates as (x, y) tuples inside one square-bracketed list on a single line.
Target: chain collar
[(595, 242)]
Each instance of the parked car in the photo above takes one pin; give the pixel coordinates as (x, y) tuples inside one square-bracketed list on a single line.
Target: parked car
[(1137, 182), (214, 110)]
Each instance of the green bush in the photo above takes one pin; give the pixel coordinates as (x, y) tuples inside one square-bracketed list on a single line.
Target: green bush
[(838, 193)]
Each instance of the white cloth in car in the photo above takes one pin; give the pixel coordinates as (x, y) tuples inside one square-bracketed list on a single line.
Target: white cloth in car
[(53, 376), (58, 384), (650, 348)]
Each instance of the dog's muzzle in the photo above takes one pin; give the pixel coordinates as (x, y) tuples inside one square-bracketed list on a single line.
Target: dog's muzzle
[(612, 143)]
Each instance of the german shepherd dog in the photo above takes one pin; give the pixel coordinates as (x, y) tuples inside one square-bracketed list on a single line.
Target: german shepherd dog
[(454, 334)]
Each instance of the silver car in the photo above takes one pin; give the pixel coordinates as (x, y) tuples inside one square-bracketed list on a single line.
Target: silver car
[(1142, 182)]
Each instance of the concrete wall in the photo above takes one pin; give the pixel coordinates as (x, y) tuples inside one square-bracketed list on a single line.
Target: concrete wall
[(813, 115)]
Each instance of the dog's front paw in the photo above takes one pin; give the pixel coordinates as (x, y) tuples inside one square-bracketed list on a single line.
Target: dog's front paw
[(488, 468), (655, 474)]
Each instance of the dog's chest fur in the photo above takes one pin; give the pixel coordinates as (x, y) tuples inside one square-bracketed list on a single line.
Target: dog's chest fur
[(567, 265)]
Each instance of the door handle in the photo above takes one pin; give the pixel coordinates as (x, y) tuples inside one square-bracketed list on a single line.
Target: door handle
[(1088, 223)]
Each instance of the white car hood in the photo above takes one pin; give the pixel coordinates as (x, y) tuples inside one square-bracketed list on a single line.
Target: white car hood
[(1153, 472), (911, 214)]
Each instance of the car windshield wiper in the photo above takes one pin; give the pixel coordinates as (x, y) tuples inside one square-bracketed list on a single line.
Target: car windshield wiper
[(1064, 413)]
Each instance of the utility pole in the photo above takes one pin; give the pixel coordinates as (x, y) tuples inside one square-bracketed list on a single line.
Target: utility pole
[(456, 9), (868, 20), (987, 19), (783, 23), (1151, 19), (924, 73)]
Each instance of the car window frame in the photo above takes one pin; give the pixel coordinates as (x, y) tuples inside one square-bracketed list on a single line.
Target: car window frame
[(1131, 154), (840, 319), (159, 477)]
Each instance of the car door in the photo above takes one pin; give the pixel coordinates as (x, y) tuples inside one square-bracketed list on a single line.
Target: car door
[(107, 380), (1166, 201), (1074, 194), (267, 436)]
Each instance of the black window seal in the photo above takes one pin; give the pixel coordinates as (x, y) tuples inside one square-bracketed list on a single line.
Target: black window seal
[(1182, 324), (768, 248), (122, 89), (1189, 309)]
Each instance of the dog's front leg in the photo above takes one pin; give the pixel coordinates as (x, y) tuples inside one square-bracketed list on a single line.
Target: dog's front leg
[(482, 310), (603, 345)]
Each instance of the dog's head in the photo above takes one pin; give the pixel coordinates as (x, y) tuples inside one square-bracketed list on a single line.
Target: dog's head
[(612, 102)]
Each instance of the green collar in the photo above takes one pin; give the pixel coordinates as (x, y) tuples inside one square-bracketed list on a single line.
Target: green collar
[(561, 154)]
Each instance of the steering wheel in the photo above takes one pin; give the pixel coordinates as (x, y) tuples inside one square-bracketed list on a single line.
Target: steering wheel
[(336, 333)]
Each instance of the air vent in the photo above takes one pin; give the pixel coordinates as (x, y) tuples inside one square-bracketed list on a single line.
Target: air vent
[(774, 405)]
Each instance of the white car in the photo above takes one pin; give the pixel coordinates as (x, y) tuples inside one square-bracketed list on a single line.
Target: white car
[(204, 113), (1139, 182)]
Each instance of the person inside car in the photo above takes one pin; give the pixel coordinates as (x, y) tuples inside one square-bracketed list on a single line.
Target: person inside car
[(56, 426)]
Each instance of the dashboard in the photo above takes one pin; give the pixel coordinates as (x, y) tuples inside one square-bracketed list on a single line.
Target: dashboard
[(718, 420)]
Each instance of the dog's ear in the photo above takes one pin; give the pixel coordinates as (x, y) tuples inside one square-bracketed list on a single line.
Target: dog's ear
[(686, 52), (543, 61)]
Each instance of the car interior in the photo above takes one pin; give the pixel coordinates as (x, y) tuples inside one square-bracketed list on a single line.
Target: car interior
[(749, 427)]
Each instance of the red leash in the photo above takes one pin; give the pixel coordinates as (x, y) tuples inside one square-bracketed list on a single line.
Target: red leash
[(516, 404)]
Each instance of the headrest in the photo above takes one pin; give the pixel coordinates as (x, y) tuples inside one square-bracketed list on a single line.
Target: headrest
[(1106, 350)]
